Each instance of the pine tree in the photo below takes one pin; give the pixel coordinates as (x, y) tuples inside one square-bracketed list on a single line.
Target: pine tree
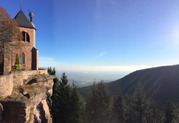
[(51, 72), (170, 112), (176, 113), (64, 101), (55, 100), (99, 104), (67, 104), (119, 108), (139, 106), (77, 105), (55, 96), (154, 114)]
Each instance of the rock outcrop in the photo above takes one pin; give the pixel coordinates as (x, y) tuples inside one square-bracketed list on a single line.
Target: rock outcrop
[(30, 102)]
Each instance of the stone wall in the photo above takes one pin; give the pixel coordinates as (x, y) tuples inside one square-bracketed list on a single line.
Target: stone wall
[(20, 47), (6, 85), (20, 76), (31, 33)]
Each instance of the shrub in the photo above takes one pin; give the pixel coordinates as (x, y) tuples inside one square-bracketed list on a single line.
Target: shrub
[(17, 65)]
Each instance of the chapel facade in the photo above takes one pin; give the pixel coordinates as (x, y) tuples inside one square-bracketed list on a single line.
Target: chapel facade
[(25, 49)]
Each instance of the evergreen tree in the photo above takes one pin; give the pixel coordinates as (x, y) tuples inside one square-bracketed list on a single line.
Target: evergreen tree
[(17, 65), (154, 115), (99, 104), (64, 101), (67, 104), (170, 112), (51, 72), (139, 106), (176, 113), (119, 108), (55, 99), (143, 110), (77, 105), (55, 96)]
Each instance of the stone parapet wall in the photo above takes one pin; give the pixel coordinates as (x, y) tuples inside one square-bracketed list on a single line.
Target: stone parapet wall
[(20, 76), (6, 85)]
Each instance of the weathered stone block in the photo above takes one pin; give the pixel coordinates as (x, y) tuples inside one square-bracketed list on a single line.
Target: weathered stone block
[(6, 85)]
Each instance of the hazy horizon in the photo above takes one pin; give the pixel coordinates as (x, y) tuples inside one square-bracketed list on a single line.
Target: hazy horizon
[(87, 78)]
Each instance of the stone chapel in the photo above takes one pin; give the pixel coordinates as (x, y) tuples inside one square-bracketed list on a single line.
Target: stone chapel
[(27, 53)]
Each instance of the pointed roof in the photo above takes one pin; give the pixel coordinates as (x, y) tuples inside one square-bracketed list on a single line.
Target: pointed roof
[(22, 20)]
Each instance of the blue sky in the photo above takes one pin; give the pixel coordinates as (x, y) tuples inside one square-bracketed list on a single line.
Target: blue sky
[(103, 35)]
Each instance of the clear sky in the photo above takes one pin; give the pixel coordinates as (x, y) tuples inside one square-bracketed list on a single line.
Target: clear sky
[(103, 35)]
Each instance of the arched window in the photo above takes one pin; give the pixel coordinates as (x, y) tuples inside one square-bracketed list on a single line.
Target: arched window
[(25, 36), (23, 58)]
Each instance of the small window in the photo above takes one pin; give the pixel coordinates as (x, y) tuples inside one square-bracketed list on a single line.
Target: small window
[(25, 36), (23, 58)]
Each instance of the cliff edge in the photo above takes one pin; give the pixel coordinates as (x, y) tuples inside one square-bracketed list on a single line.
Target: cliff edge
[(30, 99)]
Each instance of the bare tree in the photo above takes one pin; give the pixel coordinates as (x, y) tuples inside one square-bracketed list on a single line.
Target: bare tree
[(10, 36)]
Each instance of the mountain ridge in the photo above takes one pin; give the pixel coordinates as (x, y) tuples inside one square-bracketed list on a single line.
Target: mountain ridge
[(160, 83)]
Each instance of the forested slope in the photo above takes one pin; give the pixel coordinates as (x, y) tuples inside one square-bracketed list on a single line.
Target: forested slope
[(160, 83)]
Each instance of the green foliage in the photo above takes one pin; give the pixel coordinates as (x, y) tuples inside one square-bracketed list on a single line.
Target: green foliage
[(17, 65), (139, 107), (77, 106), (170, 112), (119, 108), (51, 71), (55, 96), (64, 81), (69, 107), (176, 113), (155, 113), (99, 104), (64, 107), (68, 104)]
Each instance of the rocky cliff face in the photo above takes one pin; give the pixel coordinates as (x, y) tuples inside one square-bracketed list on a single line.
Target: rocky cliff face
[(29, 103)]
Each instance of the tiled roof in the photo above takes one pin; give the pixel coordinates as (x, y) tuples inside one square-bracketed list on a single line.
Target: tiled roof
[(22, 20)]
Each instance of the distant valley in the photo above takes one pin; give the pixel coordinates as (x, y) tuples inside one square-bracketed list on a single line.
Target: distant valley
[(87, 78)]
